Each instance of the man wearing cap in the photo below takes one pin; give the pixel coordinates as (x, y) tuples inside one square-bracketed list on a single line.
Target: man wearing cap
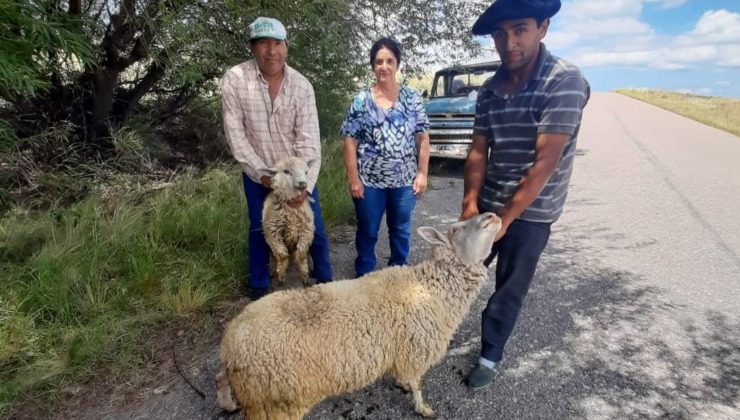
[(269, 112), (519, 164)]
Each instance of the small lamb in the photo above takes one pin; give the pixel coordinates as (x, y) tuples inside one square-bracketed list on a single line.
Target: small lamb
[(290, 350), (288, 230)]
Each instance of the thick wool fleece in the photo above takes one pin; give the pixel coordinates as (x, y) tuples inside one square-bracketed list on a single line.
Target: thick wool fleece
[(292, 349), (288, 230)]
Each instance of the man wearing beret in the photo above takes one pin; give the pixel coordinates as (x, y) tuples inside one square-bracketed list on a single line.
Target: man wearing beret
[(269, 112), (519, 164)]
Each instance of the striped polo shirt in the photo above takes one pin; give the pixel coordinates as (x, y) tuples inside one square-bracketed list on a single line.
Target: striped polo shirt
[(551, 101)]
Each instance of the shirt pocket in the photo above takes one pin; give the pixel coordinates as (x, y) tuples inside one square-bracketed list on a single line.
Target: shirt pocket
[(286, 120)]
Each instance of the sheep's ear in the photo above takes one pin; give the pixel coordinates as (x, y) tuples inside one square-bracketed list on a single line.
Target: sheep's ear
[(433, 236)]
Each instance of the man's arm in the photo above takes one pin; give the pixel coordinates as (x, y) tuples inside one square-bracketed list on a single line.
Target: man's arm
[(422, 145), (475, 172), (548, 149), (235, 134)]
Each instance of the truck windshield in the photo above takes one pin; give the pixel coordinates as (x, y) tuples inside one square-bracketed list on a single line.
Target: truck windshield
[(459, 83)]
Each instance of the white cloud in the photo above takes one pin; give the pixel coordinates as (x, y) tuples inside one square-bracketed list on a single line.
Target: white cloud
[(715, 26), (612, 26), (598, 33), (590, 9), (668, 4)]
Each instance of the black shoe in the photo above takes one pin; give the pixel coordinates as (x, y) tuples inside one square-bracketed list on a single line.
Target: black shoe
[(255, 293), (481, 376)]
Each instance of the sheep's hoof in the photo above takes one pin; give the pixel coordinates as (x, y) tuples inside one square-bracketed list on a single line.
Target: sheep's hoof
[(228, 405), (426, 412)]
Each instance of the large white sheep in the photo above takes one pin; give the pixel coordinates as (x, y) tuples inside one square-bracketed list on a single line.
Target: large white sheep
[(288, 230), (288, 351)]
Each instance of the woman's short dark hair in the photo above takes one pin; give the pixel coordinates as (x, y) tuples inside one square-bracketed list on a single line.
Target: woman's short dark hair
[(388, 43)]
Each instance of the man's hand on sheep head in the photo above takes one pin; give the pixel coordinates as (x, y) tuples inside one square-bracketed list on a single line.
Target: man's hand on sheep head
[(299, 199)]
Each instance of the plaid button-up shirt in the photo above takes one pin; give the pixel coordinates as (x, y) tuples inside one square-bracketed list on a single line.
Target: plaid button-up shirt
[(260, 131)]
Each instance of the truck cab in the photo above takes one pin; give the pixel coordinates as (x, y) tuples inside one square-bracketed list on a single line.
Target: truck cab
[(450, 107)]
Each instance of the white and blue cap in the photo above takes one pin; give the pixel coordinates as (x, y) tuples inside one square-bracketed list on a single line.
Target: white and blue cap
[(265, 27)]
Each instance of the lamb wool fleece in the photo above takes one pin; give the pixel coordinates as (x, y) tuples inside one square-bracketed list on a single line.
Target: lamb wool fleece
[(291, 349), (288, 230)]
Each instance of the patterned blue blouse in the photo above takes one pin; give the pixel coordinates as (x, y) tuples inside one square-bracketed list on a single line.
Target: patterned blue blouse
[(386, 138)]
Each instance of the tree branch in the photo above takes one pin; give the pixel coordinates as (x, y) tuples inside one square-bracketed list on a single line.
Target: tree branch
[(75, 8)]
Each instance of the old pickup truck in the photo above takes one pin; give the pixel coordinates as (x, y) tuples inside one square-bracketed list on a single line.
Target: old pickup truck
[(450, 107)]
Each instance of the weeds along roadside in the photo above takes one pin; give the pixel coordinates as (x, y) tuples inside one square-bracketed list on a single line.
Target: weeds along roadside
[(717, 112), (83, 284)]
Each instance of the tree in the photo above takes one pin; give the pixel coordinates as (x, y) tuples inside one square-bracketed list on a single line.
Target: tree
[(34, 39), (94, 64)]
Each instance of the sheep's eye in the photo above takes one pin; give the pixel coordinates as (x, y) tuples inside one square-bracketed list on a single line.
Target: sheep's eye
[(286, 171)]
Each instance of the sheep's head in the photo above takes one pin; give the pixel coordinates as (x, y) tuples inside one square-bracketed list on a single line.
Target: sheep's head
[(289, 176), (471, 240)]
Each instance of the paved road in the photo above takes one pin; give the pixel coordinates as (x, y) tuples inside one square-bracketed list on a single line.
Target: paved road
[(635, 309)]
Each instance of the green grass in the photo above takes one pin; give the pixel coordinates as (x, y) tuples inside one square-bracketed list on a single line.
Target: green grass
[(83, 286), (336, 204), (721, 113)]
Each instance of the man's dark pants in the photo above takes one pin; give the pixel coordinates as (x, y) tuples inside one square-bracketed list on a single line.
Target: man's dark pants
[(518, 253)]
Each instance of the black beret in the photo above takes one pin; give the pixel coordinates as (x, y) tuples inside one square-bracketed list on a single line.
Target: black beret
[(501, 10)]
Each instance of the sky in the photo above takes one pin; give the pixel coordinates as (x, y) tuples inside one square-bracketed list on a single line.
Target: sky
[(688, 46)]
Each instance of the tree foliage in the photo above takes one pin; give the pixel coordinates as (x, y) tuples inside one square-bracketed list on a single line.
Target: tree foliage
[(95, 66)]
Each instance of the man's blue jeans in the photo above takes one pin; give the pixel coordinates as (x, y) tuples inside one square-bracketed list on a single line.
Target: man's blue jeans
[(398, 205), (258, 250), (518, 253)]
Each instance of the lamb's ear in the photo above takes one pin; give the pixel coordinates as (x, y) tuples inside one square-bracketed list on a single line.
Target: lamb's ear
[(433, 236)]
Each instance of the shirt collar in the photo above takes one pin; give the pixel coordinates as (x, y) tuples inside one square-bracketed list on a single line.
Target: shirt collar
[(286, 73)]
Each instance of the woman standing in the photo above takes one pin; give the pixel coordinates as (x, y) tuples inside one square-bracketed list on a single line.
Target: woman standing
[(386, 155)]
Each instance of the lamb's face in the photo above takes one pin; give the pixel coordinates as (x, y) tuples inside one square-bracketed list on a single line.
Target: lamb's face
[(290, 174), (471, 240)]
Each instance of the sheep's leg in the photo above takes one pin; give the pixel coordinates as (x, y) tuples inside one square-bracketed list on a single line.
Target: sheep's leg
[(301, 257), (278, 250), (301, 261), (280, 257), (223, 391), (420, 406), (273, 268), (281, 268)]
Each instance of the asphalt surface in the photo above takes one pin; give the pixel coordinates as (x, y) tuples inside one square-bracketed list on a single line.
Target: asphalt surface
[(634, 311)]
